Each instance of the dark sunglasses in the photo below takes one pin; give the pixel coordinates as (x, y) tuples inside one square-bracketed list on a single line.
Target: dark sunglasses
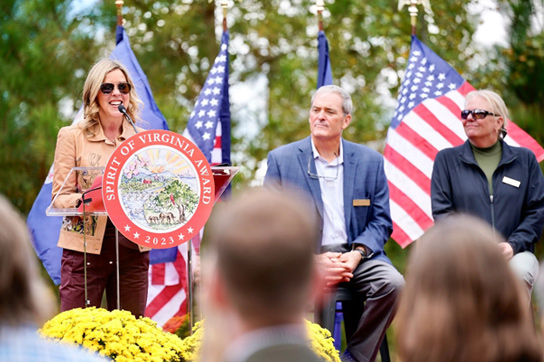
[(107, 88), (476, 113)]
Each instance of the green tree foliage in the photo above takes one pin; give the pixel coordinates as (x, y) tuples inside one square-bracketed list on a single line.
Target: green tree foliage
[(48, 46), (39, 75), (184, 198), (176, 43), (522, 63)]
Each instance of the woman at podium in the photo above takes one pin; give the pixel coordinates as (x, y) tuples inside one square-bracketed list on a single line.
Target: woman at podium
[(90, 143)]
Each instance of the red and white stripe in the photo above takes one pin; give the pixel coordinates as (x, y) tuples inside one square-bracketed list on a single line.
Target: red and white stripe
[(168, 292)]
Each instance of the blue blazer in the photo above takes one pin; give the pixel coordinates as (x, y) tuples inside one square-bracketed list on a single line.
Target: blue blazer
[(366, 194)]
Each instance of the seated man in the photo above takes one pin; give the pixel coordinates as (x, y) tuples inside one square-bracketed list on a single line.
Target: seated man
[(347, 184)]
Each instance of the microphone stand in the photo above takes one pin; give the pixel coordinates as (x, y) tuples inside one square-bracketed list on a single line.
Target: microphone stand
[(123, 110)]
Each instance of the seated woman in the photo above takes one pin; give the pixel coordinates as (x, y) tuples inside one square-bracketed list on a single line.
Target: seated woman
[(498, 183)]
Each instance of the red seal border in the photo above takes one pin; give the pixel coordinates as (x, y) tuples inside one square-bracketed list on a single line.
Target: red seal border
[(112, 202)]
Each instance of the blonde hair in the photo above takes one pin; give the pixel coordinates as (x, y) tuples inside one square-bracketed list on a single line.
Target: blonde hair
[(495, 102), (92, 86), (24, 296), (461, 301)]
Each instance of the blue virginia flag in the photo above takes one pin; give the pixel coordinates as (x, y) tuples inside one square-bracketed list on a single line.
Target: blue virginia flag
[(150, 113), (45, 230), (324, 71)]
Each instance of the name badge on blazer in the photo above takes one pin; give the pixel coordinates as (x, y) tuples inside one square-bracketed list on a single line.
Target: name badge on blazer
[(361, 202), (510, 181)]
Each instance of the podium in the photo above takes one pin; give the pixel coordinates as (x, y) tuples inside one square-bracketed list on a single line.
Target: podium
[(84, 178), (88, 191)]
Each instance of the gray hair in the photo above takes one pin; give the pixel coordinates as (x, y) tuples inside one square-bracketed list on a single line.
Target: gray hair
[(347, 104), (495, 102)]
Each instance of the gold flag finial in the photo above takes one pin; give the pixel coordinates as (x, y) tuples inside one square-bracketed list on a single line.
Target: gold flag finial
[(224, 5), (412, 9), (320, 6), (119, 5)]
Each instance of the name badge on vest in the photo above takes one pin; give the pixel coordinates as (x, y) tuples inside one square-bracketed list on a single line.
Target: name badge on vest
[(510, 181)]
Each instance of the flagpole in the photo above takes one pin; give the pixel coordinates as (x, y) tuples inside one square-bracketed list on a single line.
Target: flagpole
[(224, 4), (320, 5), (119, 5), (412, 9)]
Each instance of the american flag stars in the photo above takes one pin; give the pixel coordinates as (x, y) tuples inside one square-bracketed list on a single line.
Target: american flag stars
[(204, 118), (425, 78)]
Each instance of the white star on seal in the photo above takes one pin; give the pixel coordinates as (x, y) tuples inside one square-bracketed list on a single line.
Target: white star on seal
[(190, 230), (136, 236), (181, 236), (127, 228)]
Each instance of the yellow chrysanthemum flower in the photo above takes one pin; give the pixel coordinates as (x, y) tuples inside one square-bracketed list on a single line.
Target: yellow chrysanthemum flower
[(117, 335)]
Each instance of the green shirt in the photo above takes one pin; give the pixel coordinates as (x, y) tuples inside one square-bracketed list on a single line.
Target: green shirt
[(488, 159)]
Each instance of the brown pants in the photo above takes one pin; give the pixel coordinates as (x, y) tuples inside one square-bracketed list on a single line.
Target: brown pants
[(101, 276)]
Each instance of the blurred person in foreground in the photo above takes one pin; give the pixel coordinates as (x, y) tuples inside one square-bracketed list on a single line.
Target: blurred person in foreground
[(462, 302), (90, 143), (350, 197), (498, 183), (259, 277), (25, 300)]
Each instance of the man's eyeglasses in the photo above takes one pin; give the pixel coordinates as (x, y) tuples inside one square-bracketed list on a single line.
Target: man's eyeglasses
[(107, 88), (476, 113), (316, 176)]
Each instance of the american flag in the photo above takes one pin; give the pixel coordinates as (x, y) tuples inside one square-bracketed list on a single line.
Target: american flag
[(209, 129), (426, 120)]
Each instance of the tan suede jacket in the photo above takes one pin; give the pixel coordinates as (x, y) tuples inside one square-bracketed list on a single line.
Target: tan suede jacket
[(82, 148)]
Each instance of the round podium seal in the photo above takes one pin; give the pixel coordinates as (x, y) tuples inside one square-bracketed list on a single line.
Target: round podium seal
[(158, 189)]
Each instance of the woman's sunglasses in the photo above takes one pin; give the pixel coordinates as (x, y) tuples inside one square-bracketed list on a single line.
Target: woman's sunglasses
[(476, 113), (107, 88)]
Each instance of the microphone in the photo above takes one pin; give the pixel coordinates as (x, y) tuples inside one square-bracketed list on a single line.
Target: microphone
[(123, 110)]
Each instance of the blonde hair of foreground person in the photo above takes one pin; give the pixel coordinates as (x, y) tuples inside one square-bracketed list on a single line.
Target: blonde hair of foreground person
[(24, 296), (462, 302)]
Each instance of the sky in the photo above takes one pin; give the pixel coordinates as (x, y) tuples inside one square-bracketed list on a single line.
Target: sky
[(492, 27)]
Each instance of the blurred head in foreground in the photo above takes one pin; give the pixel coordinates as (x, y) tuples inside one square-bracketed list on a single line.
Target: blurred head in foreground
[(24, 297), (262, 244), (461, 301)]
